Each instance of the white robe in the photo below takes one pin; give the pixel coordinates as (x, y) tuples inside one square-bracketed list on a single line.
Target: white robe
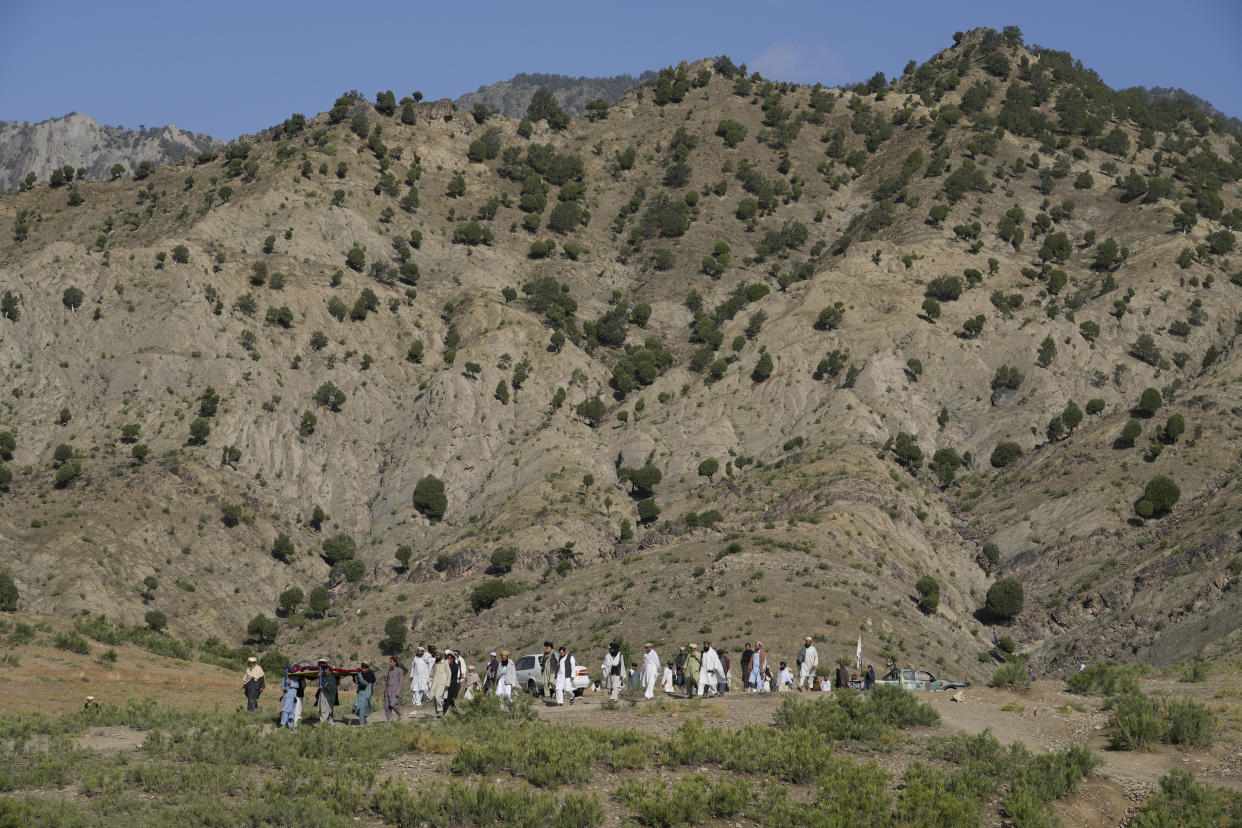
[(613, 683), (810, 660), (565, 683), (667, 682), (784, 680), (651, 671), (709, 668), (506, 680), (420, 677)]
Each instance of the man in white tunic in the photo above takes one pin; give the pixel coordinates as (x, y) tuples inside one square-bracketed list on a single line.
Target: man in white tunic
[(566, 666), (651, 670), (420, 675), (506, 679), (810, 661), (613, 669), (709, 670)]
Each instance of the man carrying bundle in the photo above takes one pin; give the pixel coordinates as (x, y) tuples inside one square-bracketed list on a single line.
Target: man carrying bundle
[(325, 696)]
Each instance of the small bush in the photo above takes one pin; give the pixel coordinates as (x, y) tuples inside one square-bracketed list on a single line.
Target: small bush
[(1011, 674), (1136, 722), (72, 642), (1098, 679), (1183, 801), (1189, 722)]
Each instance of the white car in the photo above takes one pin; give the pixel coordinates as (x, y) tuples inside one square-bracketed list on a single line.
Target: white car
[(530, 675)]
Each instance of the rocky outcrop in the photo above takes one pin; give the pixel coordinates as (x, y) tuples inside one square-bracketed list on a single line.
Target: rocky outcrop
[(81, 142)]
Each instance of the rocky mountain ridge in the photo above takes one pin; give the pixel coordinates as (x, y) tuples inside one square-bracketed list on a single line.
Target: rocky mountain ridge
[(821, 292)]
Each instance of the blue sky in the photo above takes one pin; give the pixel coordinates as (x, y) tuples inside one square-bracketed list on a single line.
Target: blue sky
[(227, 68)]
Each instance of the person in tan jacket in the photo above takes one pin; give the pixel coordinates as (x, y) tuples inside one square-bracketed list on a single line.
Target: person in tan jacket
[(253, 684)]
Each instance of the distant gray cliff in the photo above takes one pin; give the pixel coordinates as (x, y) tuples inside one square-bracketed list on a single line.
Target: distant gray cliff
[(80, 141)]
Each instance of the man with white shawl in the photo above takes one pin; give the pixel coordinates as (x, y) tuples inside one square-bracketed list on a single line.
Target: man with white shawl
[(566, 667), (710, 669), (808, 665), (420, 675), (613, 669), (651, 670)]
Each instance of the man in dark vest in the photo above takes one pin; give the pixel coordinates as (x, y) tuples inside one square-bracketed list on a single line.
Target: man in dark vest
[(548, 665), (455, 677), (566, 668)]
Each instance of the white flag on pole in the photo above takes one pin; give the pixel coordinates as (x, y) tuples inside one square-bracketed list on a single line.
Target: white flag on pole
[(858, 653)]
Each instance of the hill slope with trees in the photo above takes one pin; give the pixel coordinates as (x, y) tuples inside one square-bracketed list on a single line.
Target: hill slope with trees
[(730, 356)]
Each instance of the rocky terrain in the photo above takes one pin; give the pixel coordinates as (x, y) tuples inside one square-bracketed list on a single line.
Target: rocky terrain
[(512, 96), (81, 142), (820, 291)]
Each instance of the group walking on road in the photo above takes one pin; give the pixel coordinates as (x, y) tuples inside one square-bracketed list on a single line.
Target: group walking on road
[(439, 678)]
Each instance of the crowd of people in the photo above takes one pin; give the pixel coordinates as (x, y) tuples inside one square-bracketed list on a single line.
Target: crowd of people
[(438, 678)]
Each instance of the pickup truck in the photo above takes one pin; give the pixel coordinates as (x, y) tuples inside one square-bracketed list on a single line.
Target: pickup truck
[(908, 679)]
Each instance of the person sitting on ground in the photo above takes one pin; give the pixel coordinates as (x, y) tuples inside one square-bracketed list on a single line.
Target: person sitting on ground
[(843, 675), (471, 684), (784, 679), (825, 684), (91, 705)]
